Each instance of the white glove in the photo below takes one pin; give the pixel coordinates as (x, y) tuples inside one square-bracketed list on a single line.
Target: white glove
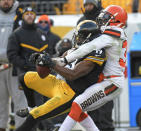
[(59, 61)]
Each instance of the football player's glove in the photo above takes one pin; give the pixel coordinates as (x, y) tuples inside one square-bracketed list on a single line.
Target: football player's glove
[(45, 60), (60, 61)]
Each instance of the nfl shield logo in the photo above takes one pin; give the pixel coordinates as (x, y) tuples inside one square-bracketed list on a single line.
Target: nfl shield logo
[(43, 37)]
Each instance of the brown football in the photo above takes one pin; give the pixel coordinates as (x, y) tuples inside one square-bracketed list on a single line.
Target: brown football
[(43, 71)]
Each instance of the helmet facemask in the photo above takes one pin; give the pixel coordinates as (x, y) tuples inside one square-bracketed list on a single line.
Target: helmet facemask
[(105, 18), (112, 15), (80, 38)]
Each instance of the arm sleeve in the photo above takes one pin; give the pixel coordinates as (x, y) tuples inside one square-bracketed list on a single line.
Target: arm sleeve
[(98, 43), (13, 52)]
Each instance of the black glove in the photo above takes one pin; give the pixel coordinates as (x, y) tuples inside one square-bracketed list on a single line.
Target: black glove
[(45, 60), (34, 57)]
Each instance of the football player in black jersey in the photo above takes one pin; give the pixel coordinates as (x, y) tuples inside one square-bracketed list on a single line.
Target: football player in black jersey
[(78, 75)]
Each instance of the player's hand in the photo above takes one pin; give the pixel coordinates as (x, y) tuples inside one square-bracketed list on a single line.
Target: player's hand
[(34, 57), (61, 61), (45, 60)]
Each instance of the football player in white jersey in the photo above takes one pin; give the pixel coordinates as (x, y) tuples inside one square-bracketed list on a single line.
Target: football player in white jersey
[(112, 21)]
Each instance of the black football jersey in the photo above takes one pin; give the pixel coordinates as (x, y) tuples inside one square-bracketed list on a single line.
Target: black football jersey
[(82, 83)]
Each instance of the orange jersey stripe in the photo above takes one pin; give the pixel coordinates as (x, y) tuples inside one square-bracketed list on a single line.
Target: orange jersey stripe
[(112, 33)]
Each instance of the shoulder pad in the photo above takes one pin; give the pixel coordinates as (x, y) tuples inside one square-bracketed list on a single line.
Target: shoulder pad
[(112, 32)]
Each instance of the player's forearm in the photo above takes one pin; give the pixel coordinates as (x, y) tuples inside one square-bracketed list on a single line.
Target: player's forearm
[(80, 52), (77, 54), (68, 74), (83, 50)]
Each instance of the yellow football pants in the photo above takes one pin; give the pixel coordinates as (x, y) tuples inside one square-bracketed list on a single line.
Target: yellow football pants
[(60, 93)]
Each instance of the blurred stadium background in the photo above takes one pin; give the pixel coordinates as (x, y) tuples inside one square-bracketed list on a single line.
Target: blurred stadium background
[(57, 7), (65, 14)]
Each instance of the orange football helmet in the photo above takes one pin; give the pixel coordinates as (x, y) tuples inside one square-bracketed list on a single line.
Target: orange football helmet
[(112, 15)]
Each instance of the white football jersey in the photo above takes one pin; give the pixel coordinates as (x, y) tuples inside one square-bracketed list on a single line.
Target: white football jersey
[(114, 41)]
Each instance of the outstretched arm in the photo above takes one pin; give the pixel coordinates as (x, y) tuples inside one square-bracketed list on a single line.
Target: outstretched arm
[(98, 43), (81, 69)]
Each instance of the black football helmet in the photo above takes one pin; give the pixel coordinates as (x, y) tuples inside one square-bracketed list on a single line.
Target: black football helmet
[(86, 31)]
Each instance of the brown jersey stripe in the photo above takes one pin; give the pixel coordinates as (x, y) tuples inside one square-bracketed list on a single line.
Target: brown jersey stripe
[(110, 89), (113, 33)]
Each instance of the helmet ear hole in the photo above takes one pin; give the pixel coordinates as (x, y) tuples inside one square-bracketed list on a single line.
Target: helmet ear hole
[(118, 21)]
